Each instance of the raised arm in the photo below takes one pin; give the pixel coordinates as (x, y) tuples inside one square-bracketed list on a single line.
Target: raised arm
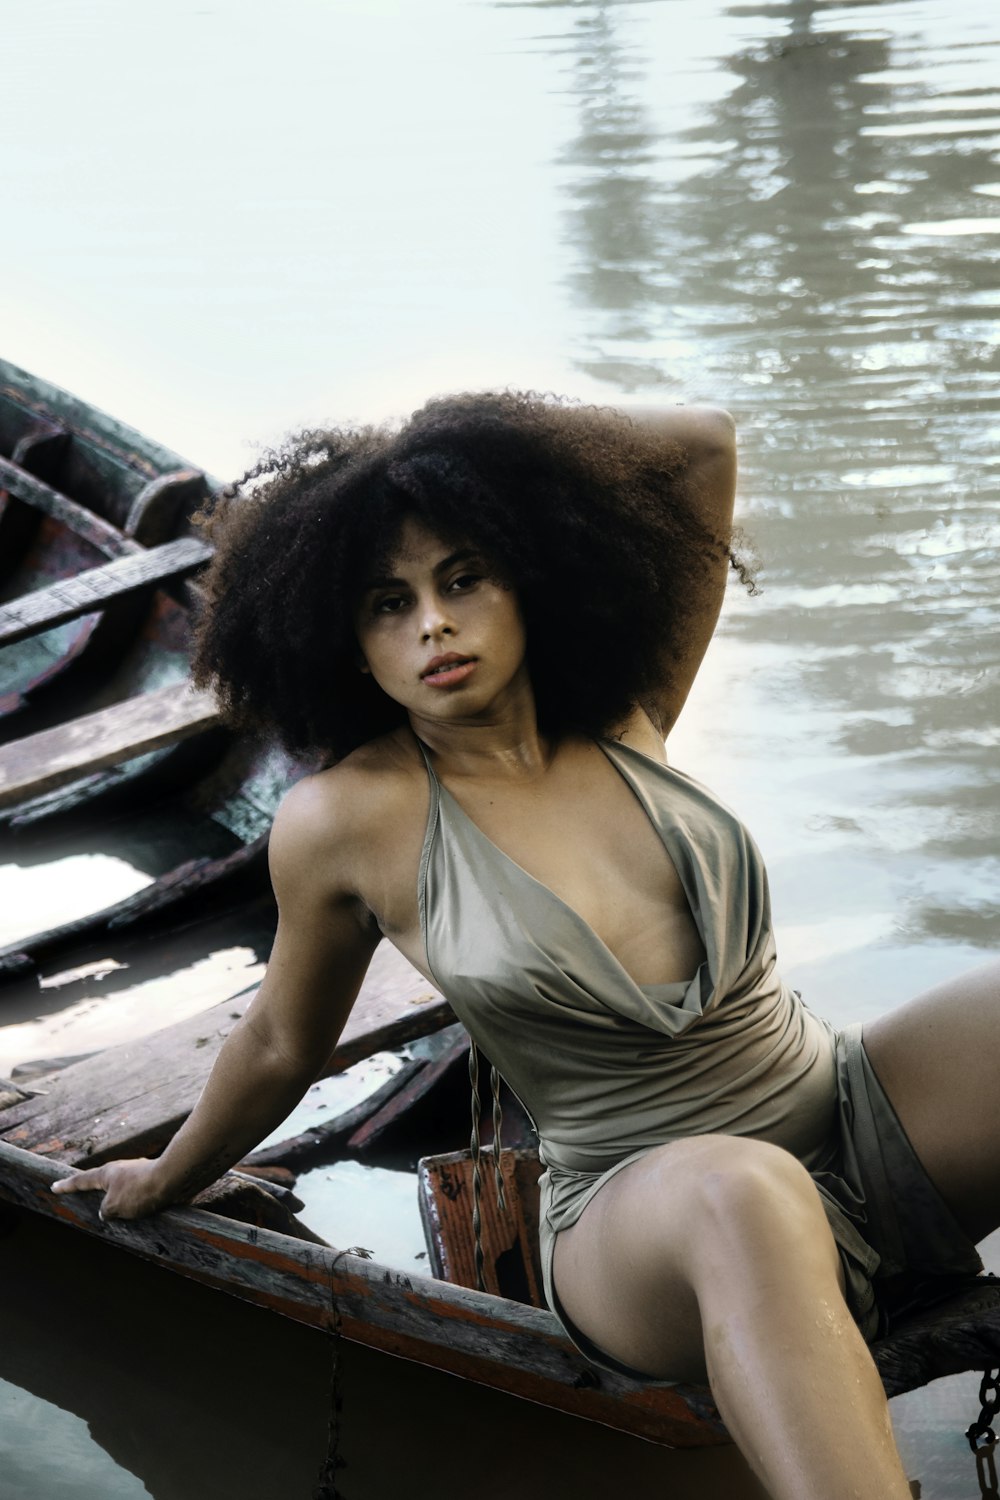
[(707, 438), (321, 952)]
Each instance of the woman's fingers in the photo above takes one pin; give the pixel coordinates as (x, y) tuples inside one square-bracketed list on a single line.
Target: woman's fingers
[(129, 1187), (91, 1181)]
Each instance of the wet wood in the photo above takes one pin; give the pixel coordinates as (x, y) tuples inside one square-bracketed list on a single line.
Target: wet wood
[(198, 887), (92, 590), (43, 762), (69, 513), (271, 1207), (511, 1264), (12, 1093), (485, 1339), (418, 1090), (129, 1100), (323, 1140), (958, 1334), (164, 504)]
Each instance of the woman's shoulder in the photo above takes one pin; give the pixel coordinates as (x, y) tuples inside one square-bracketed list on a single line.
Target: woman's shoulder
[(347, 807)]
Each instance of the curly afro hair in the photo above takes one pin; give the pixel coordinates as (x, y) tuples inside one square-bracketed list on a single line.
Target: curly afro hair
[(577, 508)]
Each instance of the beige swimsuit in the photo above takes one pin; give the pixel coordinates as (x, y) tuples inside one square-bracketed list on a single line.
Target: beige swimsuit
[(608, 1069)]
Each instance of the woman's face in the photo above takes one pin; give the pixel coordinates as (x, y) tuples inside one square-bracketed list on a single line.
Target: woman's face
[(439, 635)]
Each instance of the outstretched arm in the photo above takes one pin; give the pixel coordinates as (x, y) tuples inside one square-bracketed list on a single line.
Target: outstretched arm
[(321, 952), (706, 437)]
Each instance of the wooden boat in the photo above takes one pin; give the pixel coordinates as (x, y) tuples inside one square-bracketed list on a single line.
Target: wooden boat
[(95, 546), (130, 1099), (97, 716)]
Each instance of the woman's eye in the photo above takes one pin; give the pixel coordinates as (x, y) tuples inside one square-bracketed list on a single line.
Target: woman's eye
[(390, 605), (465, 581)]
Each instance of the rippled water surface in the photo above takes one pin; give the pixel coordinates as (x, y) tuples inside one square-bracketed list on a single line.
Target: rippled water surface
[(229, 219)]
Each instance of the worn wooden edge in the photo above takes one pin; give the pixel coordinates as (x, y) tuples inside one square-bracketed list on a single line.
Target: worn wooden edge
[(69, 598), (41, 400), (56, 757), (319, 1140), (490, 1341), (70, 513), (172, 899), (130, 1099), (957, 1334)]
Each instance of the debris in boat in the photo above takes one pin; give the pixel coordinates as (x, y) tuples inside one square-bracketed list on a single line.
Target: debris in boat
[(99, 969)]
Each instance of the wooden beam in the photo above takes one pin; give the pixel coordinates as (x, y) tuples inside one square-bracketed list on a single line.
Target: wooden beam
[(97, 587), (486, 1339), (86, 523), (44, 762), (129, 1100)]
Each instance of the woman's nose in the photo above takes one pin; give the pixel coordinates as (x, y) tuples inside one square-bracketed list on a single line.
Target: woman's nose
[(436, 621)]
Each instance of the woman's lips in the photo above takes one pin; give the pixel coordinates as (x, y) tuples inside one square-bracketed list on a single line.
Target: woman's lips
[(449, 673)]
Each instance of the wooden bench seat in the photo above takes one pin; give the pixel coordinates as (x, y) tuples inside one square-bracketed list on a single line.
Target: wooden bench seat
[(44, 762), (72, 597)]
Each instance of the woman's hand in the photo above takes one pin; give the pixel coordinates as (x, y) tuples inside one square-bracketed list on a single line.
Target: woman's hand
[(131, 1189)]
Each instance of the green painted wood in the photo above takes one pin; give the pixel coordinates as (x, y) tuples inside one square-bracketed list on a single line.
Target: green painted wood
[(94, 427), (43, 762), (72, 597)]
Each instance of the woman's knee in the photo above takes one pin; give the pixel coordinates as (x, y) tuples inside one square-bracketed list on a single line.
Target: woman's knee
[(750, 1196)]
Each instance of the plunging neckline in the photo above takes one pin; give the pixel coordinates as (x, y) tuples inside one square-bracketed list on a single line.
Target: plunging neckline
[(669, 990)]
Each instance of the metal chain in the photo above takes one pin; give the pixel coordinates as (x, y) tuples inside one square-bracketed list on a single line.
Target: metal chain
[(986, 1473), (989, 1402)]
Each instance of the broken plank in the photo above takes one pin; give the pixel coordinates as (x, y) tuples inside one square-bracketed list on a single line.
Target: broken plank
[(481, 1338), (508, 1237), (415, 1090), (92, 590), (319, 1140), (75, 517), (43, 762), (129, 1100)]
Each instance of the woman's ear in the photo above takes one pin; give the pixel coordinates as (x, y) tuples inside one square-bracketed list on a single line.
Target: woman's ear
[(361, 664)]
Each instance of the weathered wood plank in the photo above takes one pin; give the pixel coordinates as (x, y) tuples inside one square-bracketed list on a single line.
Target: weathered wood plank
[(509, 1237), (86, 523), (161, 506), (239, 876), (319, 1140), (957, 1334), (43, 762), (129, 1100), (422, 1084), (485, 1339), (72, 597)]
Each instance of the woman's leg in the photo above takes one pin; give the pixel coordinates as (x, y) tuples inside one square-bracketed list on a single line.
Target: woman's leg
[(713, 1256), (938, 1059)]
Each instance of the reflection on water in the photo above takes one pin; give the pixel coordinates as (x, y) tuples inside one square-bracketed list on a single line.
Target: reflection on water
[(812, 245)]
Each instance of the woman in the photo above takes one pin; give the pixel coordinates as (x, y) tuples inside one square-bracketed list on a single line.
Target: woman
[(488, 622)]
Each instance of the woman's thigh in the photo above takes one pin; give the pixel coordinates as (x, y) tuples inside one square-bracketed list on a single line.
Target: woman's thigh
[(938, 1060), (696, 1230)]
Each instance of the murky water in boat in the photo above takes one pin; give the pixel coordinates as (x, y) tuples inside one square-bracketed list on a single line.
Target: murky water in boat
[(225, 224)]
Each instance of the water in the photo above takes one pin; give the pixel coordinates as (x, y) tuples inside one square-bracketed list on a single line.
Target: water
[(224, 222)]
